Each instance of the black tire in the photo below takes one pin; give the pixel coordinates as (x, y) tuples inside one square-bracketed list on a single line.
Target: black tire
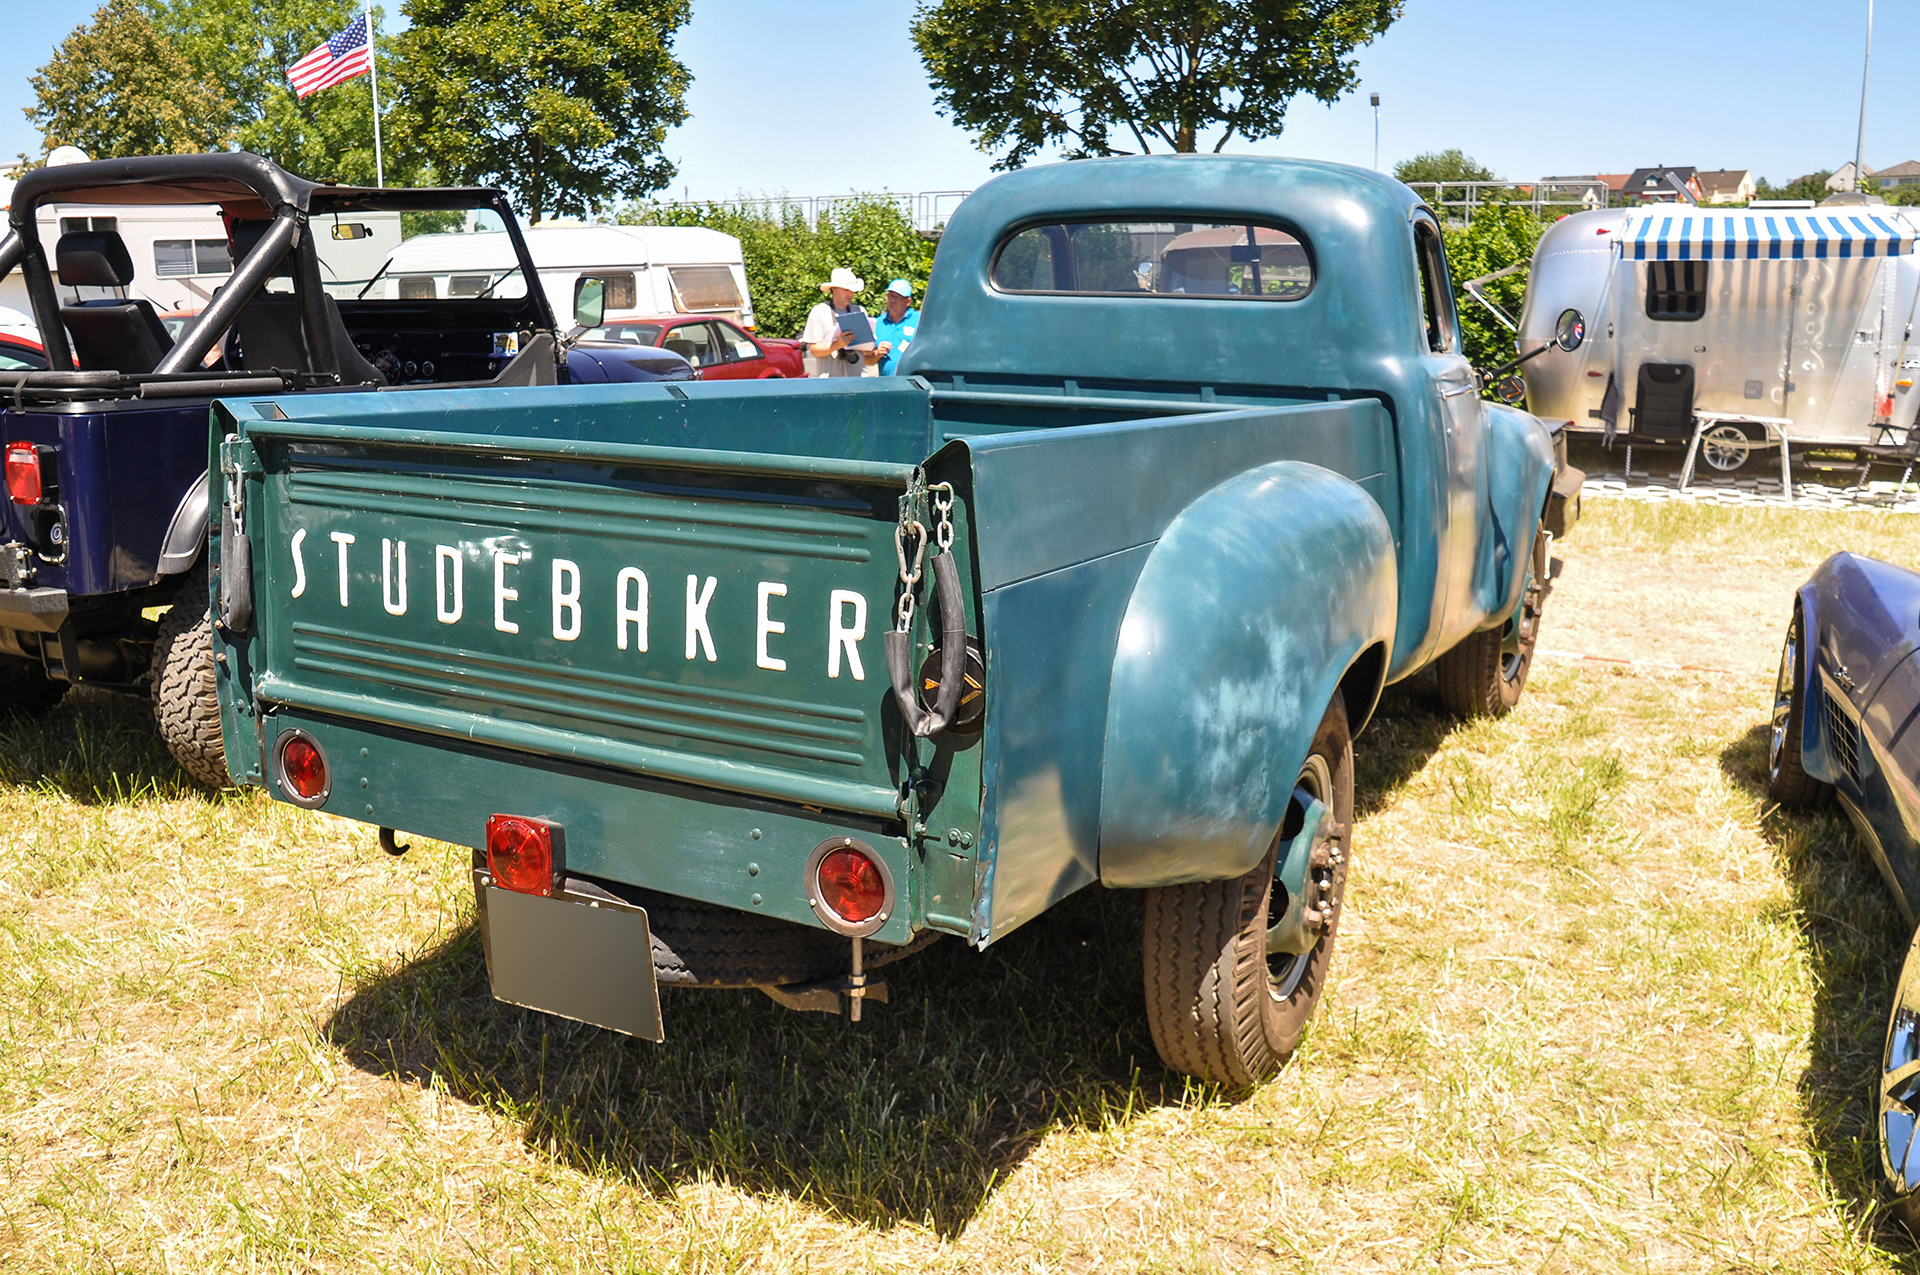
[(1221, 1006), (26, 690), (1788, 783), (184, 698), (1484, 675)]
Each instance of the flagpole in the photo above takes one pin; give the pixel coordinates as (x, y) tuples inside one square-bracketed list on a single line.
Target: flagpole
[(373, 57)]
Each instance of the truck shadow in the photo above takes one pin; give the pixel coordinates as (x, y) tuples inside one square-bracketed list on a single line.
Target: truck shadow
[(911, 1116), (1854, 938), (96, 747)]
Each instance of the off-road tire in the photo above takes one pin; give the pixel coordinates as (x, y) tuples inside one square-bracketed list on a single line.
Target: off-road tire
[(26, 690), (1479, 677), (1788, 783), (184, 698), (1211, 1003)]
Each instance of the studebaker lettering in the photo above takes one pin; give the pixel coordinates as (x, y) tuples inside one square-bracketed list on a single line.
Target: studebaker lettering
[(845, 610)]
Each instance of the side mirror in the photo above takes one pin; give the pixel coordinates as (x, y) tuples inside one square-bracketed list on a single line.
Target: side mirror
[(350, 230), (589, 301), (1571, 332), (1510, 390)]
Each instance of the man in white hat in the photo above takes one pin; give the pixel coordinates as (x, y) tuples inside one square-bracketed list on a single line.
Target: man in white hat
[(894, 330), (828, 352)]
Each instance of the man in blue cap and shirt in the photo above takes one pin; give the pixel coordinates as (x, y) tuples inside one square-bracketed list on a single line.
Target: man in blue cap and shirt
[(893, 331)]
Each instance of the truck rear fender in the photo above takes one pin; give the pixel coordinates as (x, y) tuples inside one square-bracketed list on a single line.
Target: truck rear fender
[(1266, 597), (1520, 464)]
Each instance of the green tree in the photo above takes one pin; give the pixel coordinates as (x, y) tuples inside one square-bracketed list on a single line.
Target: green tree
[(1499, 236), (116, 86), (1150, 74), (1813, 186), (787, 260), (565, 103), (247, 46), (1450, 165)]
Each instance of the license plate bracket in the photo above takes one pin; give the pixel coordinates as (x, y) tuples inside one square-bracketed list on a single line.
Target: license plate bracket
[(591, 961)]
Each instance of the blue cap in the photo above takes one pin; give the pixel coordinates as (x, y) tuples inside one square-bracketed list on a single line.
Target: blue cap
[(902, 287)]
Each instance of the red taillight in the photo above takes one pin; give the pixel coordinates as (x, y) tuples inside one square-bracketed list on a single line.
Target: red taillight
[(850, 883), (23, 473), (303, 769), (520, 854)]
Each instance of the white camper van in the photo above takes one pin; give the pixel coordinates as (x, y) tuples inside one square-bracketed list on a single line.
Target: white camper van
[(179, 251), (1728, 330), (648, 269)]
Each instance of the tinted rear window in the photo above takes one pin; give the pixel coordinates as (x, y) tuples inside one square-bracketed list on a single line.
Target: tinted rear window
[(1239, 260)]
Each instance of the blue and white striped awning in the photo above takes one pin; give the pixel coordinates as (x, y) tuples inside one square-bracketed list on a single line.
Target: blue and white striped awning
[(1767, 236)]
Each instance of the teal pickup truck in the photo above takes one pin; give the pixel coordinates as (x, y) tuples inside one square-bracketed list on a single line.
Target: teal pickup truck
[(769, 684)]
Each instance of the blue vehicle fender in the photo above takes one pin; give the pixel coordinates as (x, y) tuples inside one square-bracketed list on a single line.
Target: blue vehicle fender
[(1519, 474), (1256, 603)]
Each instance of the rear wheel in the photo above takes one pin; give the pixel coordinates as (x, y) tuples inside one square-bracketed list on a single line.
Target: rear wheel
[(1484, 675), (184, 698), (1234, 969), (1788, 783), (1897, 1106), (1724, 447), (26, 690)]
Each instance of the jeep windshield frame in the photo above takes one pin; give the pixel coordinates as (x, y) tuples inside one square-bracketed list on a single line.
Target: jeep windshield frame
[(245, 187)]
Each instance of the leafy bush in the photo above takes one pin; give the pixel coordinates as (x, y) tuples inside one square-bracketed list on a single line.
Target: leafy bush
[(787, 260), (1500, 235)]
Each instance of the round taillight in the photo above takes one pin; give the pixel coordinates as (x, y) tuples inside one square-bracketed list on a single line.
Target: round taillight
[(852, 891), (303, 769)]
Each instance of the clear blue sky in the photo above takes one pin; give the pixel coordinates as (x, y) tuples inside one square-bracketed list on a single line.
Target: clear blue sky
[(1528, 88)]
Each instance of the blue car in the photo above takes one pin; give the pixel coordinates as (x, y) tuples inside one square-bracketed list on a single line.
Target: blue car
[(1846, 728)]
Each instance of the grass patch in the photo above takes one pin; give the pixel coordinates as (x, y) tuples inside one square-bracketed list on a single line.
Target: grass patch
[(1596, 1006)]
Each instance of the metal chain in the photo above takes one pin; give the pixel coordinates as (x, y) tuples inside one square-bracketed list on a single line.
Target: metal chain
[(909, 575), (910, 528), (237, 496), (943, 508)]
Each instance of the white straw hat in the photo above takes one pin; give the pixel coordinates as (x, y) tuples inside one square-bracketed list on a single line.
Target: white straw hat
[(844, 278)]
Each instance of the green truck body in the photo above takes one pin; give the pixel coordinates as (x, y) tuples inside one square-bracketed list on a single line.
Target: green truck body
[(1189, 536)]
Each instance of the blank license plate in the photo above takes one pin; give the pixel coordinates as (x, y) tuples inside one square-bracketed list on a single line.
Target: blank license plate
[(594, 964)]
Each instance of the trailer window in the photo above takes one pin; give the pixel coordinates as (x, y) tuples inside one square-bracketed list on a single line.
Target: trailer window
[(1676, 290), (1436, 299), (176, 258), (701, 287), (1238, 260)]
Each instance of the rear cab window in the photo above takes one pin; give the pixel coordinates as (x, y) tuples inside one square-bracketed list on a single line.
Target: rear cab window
[(1225, 259), (1436, 291)]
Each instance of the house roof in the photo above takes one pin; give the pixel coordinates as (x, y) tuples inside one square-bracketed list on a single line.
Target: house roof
[(1909, 169)]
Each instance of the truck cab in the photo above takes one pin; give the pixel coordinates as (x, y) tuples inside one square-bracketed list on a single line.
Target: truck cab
[(770, 684)]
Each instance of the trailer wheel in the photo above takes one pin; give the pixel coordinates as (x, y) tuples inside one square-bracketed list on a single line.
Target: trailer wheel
[(1787, 782), (26, 690), (1484, 675), (1725, 447), (184, 699), (1221, 1004)]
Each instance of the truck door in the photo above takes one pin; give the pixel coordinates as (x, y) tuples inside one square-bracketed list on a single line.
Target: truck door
[(1456, 391)]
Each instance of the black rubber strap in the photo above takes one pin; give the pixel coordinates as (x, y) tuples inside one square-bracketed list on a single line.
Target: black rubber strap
[(953, 656)]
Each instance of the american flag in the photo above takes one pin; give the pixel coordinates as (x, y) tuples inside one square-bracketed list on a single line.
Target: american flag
[(341, 58)]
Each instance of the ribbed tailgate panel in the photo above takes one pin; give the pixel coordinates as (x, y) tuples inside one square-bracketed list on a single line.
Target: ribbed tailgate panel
[(512, 607)]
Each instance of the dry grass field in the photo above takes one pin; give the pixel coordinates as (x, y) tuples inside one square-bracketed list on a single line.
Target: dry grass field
[(1596, 1008)]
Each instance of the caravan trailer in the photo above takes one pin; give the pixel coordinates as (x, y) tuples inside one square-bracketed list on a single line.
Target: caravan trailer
[(1724, 330), (648, 270), (179, 251)]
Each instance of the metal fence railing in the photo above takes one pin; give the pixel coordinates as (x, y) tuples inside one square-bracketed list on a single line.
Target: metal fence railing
[(1460, 200), (927, 210)]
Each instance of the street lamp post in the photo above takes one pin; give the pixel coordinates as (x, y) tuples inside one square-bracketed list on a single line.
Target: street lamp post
[(1860, 138), (1376, 125)]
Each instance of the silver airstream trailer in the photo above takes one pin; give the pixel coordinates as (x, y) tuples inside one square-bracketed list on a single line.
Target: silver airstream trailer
[(1729, 330)]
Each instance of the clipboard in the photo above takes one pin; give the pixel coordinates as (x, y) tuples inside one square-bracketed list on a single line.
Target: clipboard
[(857, 325)]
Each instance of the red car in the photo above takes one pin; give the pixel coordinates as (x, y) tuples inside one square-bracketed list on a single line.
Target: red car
[(718, 348), (21, 353)]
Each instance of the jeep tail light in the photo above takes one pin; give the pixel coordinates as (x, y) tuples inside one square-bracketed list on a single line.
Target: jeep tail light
[(520, 854), (303, 769), (23, 474), (849, 887)]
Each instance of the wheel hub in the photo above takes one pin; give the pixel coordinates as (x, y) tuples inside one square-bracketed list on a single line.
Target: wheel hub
[(1304, 900), (1782, 701)]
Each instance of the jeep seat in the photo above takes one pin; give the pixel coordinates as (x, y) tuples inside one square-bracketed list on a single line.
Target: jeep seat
[(115, 334), (266, 333)]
